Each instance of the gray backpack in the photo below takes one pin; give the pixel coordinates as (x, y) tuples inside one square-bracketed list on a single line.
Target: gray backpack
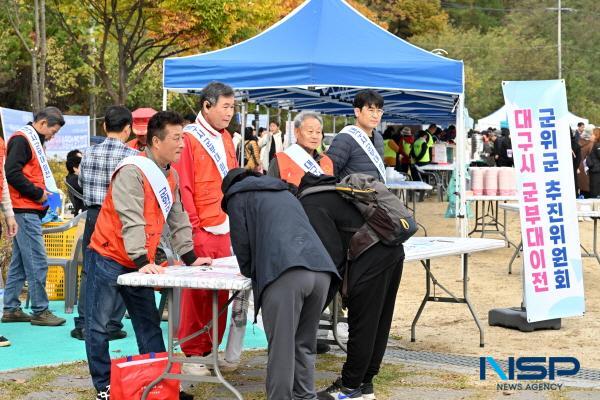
[(387, 220)]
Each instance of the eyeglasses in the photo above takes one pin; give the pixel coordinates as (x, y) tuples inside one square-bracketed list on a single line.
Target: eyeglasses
[(375, 111)]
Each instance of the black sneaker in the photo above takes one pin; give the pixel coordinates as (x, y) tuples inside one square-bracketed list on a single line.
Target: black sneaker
[(117, 335), (17, 315), (78, 334), (104, 394), (337, 391), (323, 348), (367, 391), (4, 342)]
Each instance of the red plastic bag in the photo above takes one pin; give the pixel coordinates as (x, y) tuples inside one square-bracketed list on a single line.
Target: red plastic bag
[(129, 376)]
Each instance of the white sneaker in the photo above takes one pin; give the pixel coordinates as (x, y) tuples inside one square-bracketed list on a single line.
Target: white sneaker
[(226, 366), (195, 369)]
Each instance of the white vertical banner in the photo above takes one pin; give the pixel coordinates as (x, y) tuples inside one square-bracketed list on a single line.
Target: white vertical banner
[(541, 142)]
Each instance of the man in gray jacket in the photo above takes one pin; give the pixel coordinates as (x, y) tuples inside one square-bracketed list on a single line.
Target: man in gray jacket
[(126, 238), (291, 272), (347, 154)]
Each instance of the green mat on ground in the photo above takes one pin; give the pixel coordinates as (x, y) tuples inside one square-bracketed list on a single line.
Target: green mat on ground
[(34, 346)]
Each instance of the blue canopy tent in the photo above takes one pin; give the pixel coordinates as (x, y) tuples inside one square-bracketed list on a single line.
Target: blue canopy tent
[(318, 57)]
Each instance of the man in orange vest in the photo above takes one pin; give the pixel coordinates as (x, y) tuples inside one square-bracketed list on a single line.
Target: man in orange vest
[(291, 164), (30, 181), (141, 116), (143, 195), (207, 157)]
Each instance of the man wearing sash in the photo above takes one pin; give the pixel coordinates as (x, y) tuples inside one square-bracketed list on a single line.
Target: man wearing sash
[(359, 148), (207, 157), (142, 196), (30, 181), (291, 164)]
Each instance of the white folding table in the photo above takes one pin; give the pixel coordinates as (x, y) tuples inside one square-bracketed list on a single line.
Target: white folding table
[(442, 173), (423, 249), (224, 274), (594, 215), (489, 218)]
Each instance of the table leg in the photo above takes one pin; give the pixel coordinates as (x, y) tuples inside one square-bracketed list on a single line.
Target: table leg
[(334, 323), (215, 341), (476, 218), (465, 259), (596, 239), (518, 249), (426, 265), (414, 204)]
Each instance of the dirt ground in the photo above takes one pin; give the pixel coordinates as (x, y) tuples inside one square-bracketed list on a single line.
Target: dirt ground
[(449, 328)]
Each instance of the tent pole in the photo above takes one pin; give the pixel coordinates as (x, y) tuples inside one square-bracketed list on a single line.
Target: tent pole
[(333, 128), (243, 133), (164, 102), (459, 166)]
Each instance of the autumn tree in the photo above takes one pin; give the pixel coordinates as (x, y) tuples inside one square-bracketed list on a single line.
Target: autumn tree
[(28, 21)]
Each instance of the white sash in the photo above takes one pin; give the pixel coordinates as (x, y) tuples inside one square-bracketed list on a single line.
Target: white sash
[(36, 145), (303, 159), (363, 140), (202, 132), (157, 179)]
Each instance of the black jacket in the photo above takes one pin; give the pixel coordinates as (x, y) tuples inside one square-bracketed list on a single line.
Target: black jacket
[(349, 157), (18, 153), (334, 218), (270, 233), (502, 145)]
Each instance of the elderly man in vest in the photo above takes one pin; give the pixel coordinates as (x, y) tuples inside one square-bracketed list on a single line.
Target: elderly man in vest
[(207, 157), (359, 148), (291, 164), (30, 181), (143, 195)]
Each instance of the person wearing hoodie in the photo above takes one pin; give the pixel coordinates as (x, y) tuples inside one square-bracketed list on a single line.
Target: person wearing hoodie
[(291, 273)]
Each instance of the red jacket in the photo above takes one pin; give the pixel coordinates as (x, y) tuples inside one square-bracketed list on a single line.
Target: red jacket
[(200, 181)]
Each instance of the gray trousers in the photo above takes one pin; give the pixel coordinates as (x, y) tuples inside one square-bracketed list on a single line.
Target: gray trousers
[(291, 307)]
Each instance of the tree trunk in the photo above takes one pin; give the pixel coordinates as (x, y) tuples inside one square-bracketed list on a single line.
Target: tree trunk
[(43, 54), (35, 83)]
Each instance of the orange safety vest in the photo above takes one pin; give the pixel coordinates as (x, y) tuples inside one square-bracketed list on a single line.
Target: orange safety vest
[(207, 192), (107, 238), (291, 172), (33, 173), (136, 145)]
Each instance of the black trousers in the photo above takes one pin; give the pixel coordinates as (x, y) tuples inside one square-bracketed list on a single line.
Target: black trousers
[(370, 312)]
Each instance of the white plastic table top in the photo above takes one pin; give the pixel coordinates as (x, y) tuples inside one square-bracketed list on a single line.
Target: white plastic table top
[(424, 248), (409, 185), (437, 167), (580, 213), (226, 277), (491, 198)]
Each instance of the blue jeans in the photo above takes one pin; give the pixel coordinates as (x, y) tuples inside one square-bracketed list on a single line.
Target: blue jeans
[(28, 263), (101, 293), (115, 323)]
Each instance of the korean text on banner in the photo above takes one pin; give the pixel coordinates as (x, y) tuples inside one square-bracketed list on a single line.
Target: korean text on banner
[(75, 134), (553, 277)]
